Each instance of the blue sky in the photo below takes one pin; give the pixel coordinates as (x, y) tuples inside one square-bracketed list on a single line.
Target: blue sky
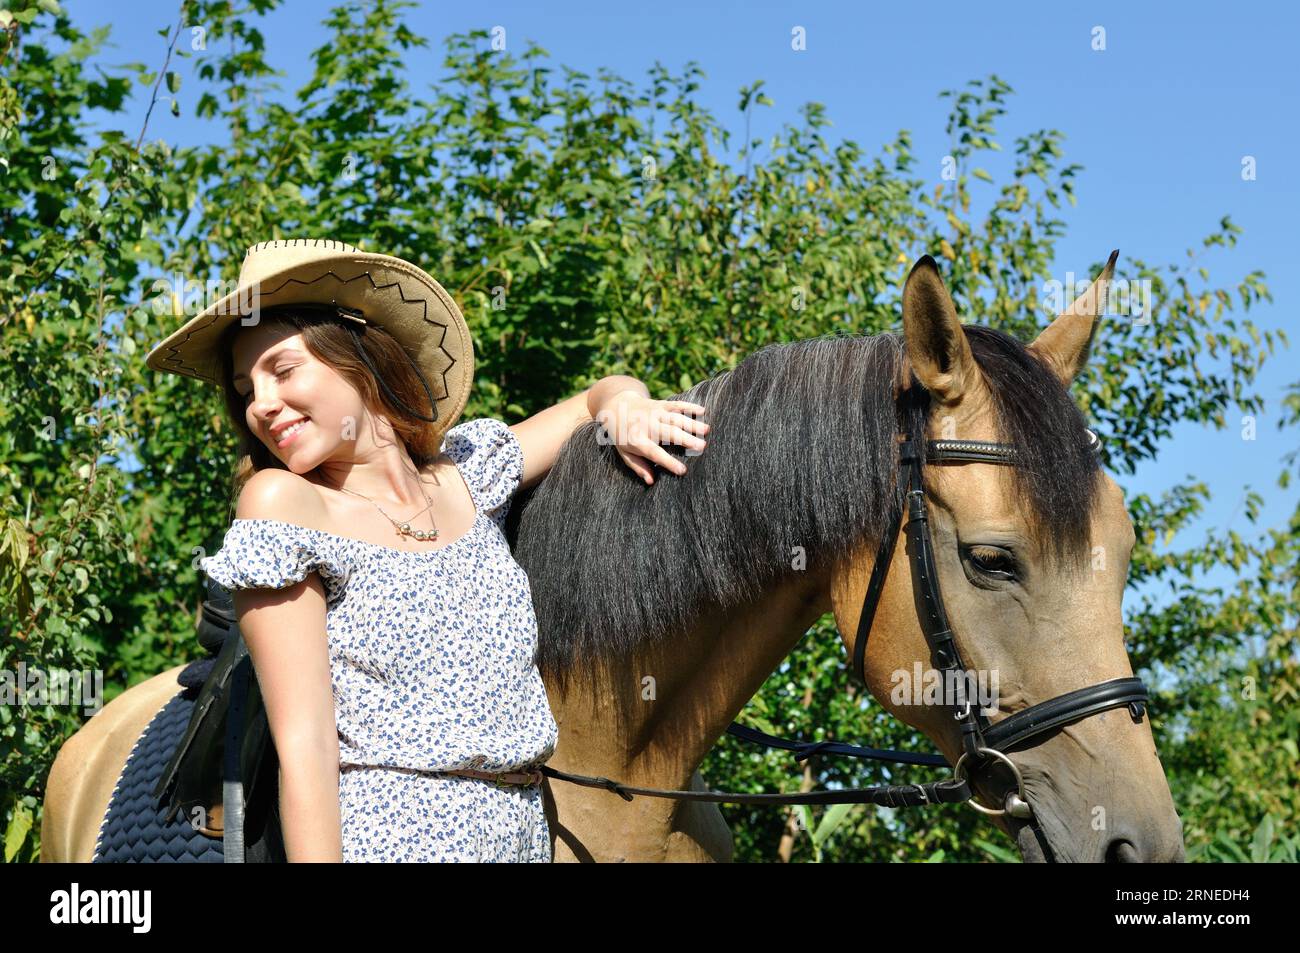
[(1160, 120)]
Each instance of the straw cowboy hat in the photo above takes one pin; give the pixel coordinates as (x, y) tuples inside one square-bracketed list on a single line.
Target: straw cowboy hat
[(366, 288)]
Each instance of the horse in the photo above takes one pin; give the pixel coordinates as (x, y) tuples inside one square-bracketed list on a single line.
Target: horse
[(662, 609)]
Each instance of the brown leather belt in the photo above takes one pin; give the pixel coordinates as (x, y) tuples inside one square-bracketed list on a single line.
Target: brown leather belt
[(524, 778)]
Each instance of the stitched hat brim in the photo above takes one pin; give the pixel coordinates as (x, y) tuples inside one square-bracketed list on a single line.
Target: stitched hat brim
[(388, 292)]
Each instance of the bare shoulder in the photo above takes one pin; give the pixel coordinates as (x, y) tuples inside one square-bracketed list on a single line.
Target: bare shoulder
[(280, 495)]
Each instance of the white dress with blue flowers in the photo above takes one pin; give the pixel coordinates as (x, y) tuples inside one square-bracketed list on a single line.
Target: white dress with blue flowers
[(432, 667)]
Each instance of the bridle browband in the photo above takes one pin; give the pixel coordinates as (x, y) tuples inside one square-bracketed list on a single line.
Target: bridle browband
[(980, 740)]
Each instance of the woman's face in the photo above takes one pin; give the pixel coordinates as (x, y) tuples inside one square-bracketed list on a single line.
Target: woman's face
[(297, 405)]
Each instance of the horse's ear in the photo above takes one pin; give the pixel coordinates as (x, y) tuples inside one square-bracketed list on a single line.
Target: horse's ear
[(1063, 345), (936, 344)]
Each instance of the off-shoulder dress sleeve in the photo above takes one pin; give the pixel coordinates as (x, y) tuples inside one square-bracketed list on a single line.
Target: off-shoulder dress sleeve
[(488, 455), (272, 554)]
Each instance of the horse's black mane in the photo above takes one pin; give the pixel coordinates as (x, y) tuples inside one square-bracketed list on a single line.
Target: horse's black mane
[(801, 453)]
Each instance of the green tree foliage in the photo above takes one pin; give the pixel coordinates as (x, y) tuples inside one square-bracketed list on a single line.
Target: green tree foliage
[(587, 225)]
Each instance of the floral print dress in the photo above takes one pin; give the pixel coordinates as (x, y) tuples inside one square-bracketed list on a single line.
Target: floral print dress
[(432, 668)]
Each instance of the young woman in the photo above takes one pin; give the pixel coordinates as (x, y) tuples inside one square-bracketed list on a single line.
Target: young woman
[(391, 630)]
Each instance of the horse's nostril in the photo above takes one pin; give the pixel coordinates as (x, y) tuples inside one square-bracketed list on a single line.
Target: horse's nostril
[(1120, 851)]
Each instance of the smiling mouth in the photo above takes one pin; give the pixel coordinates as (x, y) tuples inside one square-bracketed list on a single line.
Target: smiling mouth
[(288, 433)]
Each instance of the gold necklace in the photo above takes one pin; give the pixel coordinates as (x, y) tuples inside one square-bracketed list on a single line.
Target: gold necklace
[(404, 527)]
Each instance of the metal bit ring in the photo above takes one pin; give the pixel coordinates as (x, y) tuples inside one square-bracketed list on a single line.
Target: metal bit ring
[(1016, 804)]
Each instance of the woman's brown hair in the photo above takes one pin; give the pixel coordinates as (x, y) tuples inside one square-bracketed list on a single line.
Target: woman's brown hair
[(403, 395)]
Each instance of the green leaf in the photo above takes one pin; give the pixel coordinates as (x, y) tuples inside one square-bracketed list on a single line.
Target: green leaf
[(1262, 841), (1227, 845), (833, 818), (998, 853), (541, 256), (16, 834)]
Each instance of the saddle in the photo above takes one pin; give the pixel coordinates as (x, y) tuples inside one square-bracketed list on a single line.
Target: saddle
[(224, 773)]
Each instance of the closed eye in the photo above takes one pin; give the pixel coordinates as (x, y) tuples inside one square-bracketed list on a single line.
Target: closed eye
[(280, 374), (992, 562)]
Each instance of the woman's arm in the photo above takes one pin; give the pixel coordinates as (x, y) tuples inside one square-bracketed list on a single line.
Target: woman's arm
[(623, 405), (284, 630)]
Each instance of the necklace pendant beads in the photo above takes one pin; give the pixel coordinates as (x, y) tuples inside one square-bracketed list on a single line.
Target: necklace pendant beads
[(403, 528)]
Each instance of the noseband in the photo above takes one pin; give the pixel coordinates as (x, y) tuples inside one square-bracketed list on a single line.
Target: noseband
[(981, 741)]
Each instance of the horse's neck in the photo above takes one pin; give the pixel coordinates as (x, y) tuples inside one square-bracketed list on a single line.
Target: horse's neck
[(661, 711)]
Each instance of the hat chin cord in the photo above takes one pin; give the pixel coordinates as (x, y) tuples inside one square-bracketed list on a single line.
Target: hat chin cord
[(356, 334)]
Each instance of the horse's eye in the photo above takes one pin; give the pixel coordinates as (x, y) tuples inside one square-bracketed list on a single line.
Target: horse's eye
[(992, 561)]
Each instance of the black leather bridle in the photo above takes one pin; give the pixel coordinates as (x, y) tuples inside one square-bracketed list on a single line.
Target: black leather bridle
[(981, 741)]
